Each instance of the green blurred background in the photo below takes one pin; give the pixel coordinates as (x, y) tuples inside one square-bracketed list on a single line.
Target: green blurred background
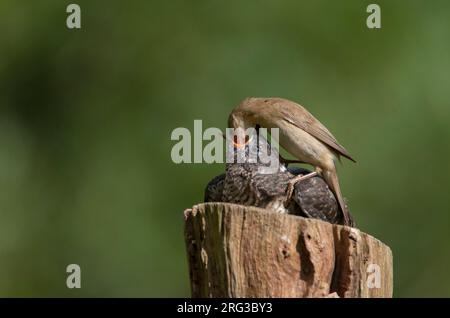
[(86, 116)]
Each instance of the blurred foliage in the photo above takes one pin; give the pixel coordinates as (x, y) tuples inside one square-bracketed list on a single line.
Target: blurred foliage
[(86, 115)]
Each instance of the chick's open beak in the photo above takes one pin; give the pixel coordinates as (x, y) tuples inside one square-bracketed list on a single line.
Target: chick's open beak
[(238, 145)]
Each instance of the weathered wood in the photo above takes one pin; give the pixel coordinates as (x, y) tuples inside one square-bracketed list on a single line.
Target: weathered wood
[(238, 251)]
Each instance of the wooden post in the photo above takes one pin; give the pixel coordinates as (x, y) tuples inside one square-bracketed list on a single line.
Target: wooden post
[(240, 251)]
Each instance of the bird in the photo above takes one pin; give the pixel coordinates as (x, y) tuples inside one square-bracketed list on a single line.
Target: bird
[(301, 134), (244, 183)]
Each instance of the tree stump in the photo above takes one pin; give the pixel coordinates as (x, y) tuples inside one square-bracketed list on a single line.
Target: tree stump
[(241, 251)]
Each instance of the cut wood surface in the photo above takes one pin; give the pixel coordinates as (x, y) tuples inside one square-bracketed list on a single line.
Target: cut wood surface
[(241, 251)]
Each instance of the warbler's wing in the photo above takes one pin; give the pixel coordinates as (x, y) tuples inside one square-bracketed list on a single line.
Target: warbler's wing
[(298, 116)]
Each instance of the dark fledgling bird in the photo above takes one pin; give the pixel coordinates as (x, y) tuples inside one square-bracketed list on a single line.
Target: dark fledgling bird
[(301, 134), (244, 183)]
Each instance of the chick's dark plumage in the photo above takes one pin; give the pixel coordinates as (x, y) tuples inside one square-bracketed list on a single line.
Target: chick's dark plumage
[(245, 185), (214, 189), (316, 199)]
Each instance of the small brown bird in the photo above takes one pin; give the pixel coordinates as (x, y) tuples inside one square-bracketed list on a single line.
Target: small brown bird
[(300, 133)]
